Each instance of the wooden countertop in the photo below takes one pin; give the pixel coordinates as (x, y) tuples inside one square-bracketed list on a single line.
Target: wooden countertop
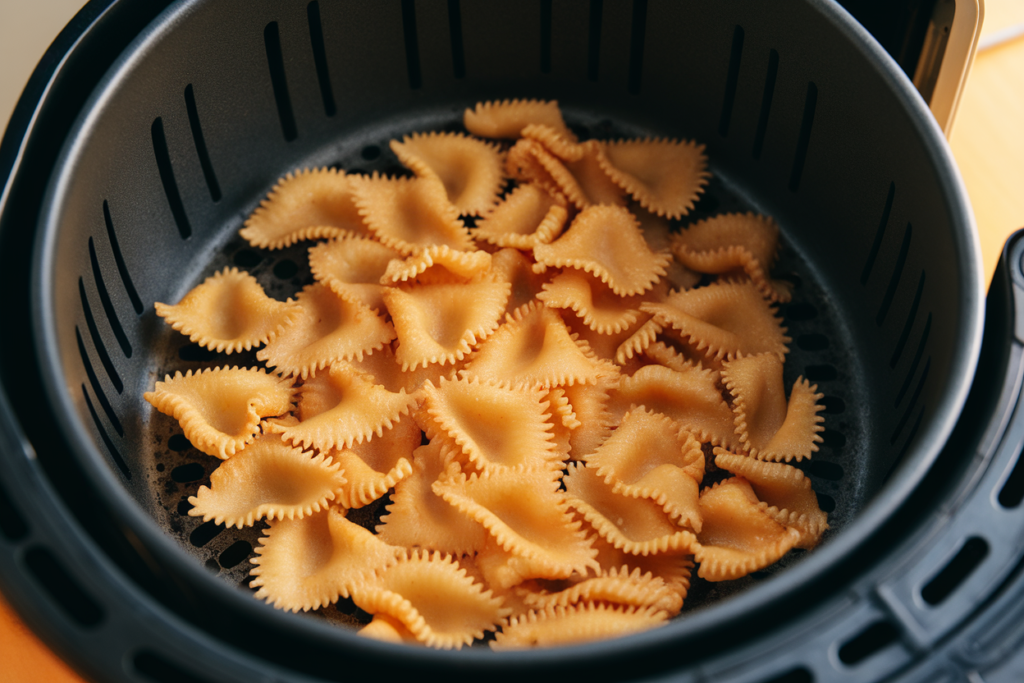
[(987, 140)]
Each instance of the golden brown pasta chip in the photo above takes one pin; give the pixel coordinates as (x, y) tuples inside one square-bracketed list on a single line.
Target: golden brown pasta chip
[(525, 218), (377, 464), (352, 267), (579, 623), (469, 169), (665, 176)]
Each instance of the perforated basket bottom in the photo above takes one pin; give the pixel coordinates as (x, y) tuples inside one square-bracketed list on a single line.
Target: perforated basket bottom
[(820, 352)]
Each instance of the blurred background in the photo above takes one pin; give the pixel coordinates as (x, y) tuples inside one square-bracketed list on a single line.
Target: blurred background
[(987, 139)]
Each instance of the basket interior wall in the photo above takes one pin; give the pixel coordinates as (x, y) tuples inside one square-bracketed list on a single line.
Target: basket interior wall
[(221, 98)]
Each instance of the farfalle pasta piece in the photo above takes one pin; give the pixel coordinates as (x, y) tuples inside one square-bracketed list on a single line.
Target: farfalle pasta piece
[(601, 309), (352, 267), (343, 407), (534, 349), (555, 141), (507, 118), (307, 563), (304, 205), (377, 464), (527, 515), (220, 409), (418, 517), (768, 427), (691, 398), (438, 264), (729, 242), (637, 526), (738, 537), (785, 494), (584, 622), (665, 176), (409, 214), (606, 242), (469, 169), (617, 586), (582, 182), (525, 218), (492, 426), (590, 407), (441, 323), (387, 371), (387, 629), (434, 599), (675, 570), (513, 267), (267, 480), (328, 329), (228, 312), (724, 320), (650, 456)]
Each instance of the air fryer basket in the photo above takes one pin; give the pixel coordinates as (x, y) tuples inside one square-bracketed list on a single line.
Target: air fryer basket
[(803, 117)]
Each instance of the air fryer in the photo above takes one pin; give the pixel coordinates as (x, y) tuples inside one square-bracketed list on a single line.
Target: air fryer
[(155, 130)]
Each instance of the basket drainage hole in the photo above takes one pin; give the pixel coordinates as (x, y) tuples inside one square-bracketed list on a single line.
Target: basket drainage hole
[(234, 554), (801, 311), (826, 502), (179, 443), (872, 639), (183, 507), (820, 373), (370, 152), (1012, 492), (812, 342), (157, 669), (183, 474), (833, 439), (285, 269), (833, 405), (800, 675), (974, 550), (824, 469), (246, 258), (204, 533)]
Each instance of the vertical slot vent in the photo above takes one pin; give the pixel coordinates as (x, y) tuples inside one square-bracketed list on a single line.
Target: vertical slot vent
[(913, 401), (95, 383), (894, 279), (111, 448), (963, 564), (872, 639), (122, 267), (163, 164), (1012, 492), (909, 324), (278, 81), (412, 46), (917, 360), (455, 32), (906, 444), (545, 36), (594, 39), (804, 141), (316, 42), (800, 675), (201, 151), (879, 234), (62, 587), (108, 306), (731, 80), (766, 103), (638, 34), (97, 341)]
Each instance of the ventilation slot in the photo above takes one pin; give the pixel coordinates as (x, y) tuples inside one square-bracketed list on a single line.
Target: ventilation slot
[(94, 381), (455, 32), (731, 80), (594, 39), (806, 124), (766, 102), (879, 234), (545, 36), (62, 587), (917, 360), (956, 572), (907, 326), (637, 37), (821, 373), (412, 48), (12, 525), (800, 675), (316, 41), (906, 444), (1012, 492), (159, 670), (275, 62), (200, 143), (204, 533), (184, 474), (234, 554), (114, 453), (894, 279), (163, 164), (97, 341), (872, 639), (913, 402), (122, 267)]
